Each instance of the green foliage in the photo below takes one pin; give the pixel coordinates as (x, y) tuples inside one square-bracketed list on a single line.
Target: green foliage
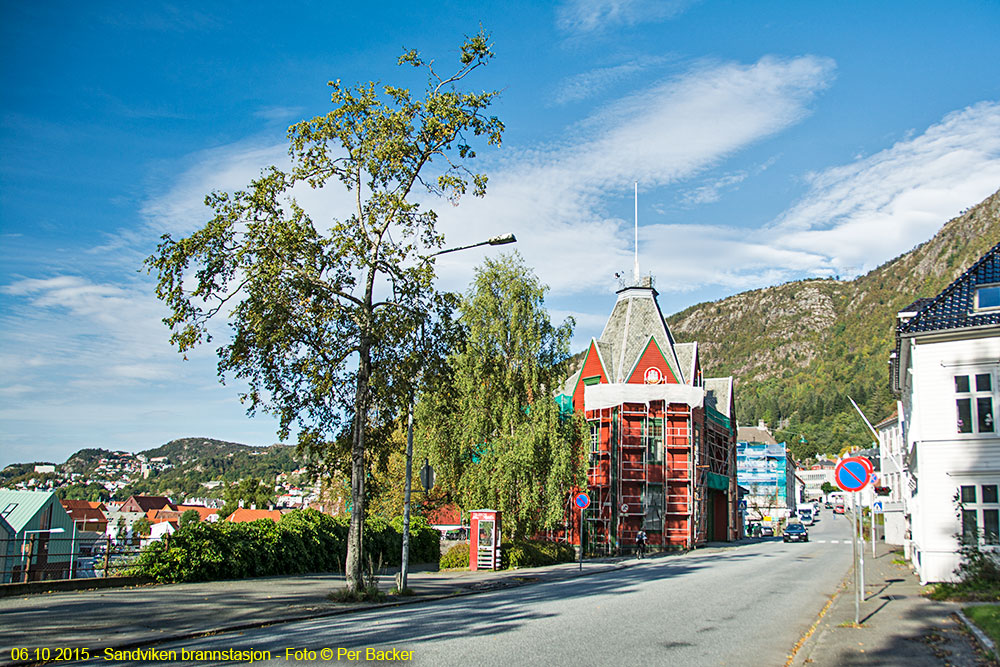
[(457, 557), (827, 488), (491, 427), (251, 491), (302, 541), (535, 553), (310, 336), (142, 526), (189, 516)]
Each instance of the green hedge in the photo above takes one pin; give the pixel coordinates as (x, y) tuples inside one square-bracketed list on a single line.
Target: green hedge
[(302, 541), (535, 553), (456, 557)]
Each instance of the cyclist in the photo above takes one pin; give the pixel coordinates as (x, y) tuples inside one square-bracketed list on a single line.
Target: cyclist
[(640, 543)]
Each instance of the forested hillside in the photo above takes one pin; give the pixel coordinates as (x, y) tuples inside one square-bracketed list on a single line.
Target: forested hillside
[(799, 350)]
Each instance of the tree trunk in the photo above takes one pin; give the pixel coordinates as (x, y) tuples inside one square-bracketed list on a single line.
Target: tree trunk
[(353, 567)]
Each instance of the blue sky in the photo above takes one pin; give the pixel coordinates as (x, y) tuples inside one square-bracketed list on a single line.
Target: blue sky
[(772, 141)]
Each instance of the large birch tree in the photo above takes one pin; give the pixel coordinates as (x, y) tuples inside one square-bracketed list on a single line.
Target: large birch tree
[(323, 313)]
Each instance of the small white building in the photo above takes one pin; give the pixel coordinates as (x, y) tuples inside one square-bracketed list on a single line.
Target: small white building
[(892, 455), (946, 369)]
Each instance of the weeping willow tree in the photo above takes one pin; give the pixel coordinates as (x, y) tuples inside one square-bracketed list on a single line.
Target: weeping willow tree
[(490, 424)]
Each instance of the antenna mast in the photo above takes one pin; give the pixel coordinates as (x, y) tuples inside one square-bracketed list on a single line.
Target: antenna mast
[(635, 269)]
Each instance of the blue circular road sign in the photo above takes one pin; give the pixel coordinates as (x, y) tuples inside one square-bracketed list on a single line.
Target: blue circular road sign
[(851, 474), (582, 501)]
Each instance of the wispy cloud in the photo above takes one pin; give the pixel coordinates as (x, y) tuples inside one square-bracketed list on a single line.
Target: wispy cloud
[(584, 16), (553, 198), (588, 84), (860, 214)]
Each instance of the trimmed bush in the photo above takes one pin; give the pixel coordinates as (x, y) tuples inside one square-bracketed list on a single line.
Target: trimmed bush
[(456, 557), (535, 553), (302, 541)]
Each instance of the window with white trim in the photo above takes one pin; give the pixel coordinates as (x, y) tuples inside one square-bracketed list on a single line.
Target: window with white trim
[(980, 514), (988, 297), (595, 438), (974, 399)]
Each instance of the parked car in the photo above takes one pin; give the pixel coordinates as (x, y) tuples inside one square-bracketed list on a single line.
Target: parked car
[(795, 532), (766, 531), (828, 505), (838, 509)]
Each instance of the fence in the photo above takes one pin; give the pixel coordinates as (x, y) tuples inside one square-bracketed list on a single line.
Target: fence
[(53, 558)]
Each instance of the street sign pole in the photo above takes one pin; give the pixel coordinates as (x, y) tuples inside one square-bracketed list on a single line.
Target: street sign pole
[(854, 543), (582, 501), (872, 514)]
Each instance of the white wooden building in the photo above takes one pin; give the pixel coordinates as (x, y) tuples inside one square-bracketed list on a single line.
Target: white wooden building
[(946, 369)]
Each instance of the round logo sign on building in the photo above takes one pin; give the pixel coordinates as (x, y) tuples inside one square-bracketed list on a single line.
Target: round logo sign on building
[(653, 375)]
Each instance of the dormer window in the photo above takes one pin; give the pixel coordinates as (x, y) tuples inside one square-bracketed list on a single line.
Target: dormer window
[(988, 297)]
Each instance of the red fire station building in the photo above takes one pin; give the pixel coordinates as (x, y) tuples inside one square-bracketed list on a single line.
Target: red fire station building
[(662, 437)]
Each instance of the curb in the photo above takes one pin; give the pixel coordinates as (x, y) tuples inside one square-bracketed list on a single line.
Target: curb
[(804, 641), (980, 636), (505, 582)]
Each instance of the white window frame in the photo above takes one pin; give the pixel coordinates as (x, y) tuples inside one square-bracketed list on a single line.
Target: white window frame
[(979, 309), (979, 507), (972, 395)]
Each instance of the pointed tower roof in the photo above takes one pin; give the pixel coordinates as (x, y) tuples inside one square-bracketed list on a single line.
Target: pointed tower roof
[(635, 318)]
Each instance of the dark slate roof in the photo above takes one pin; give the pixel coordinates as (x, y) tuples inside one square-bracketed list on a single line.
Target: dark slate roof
[(953, 308), (635, 317)]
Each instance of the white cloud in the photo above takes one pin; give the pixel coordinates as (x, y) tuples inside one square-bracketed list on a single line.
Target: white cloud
[(584, 16), (587, 84), (860, 214), (553, 198)]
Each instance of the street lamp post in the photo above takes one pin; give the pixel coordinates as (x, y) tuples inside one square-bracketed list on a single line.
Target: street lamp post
[(24, 545), (404, 567)]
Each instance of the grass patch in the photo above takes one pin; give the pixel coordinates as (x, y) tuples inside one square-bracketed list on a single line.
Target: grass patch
[(900, 561), (347, 596), (987, 617), (972, 591), (850, 624)]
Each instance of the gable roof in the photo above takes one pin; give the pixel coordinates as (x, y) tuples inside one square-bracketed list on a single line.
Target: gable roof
[(635, 318), (151, 502), (20, 507), (687, 355), (954, 307), (719, 394)]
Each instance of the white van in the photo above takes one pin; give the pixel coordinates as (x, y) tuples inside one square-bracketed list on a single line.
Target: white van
[(806, 514)]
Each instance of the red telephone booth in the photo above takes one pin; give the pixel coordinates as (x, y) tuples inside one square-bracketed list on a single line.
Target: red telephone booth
[(484, 540)]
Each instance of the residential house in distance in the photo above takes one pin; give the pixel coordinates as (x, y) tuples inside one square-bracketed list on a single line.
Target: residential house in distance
[(42, 536), (892, 455), (813, 477), (88, 516), (946, 369), (662, 437), (767, 469)]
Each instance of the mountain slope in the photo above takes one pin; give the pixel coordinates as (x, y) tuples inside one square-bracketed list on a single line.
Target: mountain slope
[(798, 350)]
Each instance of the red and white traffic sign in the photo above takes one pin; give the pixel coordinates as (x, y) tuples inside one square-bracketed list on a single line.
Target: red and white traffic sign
[(852, 474)]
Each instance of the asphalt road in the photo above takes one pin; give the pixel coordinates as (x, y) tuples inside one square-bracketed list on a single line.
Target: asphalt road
[(741, 605)]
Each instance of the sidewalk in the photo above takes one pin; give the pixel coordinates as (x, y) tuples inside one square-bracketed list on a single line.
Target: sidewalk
[(898, 626), (146, 615)]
